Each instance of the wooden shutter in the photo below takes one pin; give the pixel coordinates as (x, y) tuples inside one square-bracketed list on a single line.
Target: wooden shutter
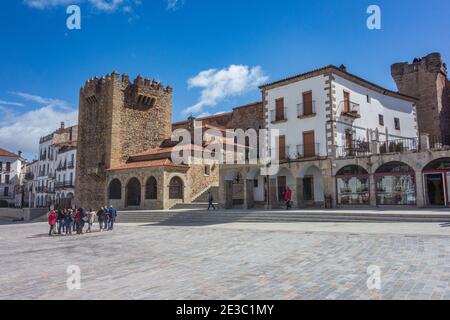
[(282, 147), (309, 144), (279, 113), (346, 101), (307, 103)]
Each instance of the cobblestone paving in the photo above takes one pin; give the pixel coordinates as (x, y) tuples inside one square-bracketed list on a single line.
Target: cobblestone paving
[(153, 262)]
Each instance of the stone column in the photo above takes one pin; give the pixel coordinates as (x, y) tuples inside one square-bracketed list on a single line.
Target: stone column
[(273, 193), (249, 191), (300, 202), (372, 191), (228, 194), (420, 196)]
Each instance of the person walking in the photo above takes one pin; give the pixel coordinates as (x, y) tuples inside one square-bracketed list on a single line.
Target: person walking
[(91, 219), (52, 222), (210, 201), (112, 217), (83, 219), (101, 218), (287, 198)]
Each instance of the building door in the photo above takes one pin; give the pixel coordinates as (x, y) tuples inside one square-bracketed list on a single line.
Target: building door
[(308, 189), (282, 147), (447, 178), (307, 103), (281, 183), (309, 148), (346, 101), (435, 189)]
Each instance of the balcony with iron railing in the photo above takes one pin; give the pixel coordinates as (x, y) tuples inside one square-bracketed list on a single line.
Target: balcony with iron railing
[(277, 117), (306, 110), (64, 184), (350, 109), (62, 167), (6, 196), (71, 165), (307, 151)]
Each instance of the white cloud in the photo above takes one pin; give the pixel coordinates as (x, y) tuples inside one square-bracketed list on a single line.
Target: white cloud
[(219, 84), (21, 131), (102, 5), (174, 4), (9, 103)]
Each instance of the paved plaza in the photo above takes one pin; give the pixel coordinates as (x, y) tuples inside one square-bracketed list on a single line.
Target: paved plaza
[(229, 261)]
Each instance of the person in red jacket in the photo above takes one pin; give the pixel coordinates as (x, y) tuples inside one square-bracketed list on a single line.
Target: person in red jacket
[(52, 222), (287, 198)]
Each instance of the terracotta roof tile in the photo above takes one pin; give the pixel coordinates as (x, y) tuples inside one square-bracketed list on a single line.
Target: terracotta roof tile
[(6, 153), (147, 164)]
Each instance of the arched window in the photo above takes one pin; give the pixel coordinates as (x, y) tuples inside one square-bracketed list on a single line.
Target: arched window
[(176, 188), (151, 189), (115, 190), (133, 192), (352, 186), (396, 184)]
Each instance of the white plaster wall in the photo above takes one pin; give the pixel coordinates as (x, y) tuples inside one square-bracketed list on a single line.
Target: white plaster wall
[(294, 127), (258, 193), (388, 106)]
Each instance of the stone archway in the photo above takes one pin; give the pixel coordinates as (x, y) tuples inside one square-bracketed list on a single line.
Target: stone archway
[(115, 190), (133, 193), (176, 188), (234, 189), (311, 187)]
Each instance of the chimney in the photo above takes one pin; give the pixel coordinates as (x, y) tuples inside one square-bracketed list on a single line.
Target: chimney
[(20, 153), (62, 125)]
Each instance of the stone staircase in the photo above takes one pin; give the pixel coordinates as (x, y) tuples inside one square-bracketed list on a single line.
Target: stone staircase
[(202, 217), (200, 202)]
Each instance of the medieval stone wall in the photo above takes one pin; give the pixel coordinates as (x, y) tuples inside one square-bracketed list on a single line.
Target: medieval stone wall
[(426, 79), (117, 119)]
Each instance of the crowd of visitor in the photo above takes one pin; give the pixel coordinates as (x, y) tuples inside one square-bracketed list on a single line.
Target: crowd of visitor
[(66, 221)]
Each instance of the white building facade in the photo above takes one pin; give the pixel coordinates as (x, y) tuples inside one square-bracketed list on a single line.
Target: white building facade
[(338, 141), (11, 166), (54, 183)]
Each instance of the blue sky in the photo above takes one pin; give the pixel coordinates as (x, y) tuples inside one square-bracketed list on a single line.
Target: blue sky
[(213, 52)]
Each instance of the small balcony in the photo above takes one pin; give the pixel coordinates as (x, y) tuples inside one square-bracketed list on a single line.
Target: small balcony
[(64, 184), (306, 110), (307, 151), (350, 110), (278, 117)]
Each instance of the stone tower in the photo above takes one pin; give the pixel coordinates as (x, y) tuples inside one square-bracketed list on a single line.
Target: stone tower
[(117, 118), (426, 79)]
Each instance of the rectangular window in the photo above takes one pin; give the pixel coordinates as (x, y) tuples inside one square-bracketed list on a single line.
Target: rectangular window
[(381, 119), (8, 166), (397, 123), (255, 183), (279, 109), (1, 166), (7, 179), (207, 170), (307, 103), (6, 191), (369, 99)]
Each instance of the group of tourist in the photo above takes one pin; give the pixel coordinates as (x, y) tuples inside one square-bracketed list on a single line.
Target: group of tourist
[(66, 221)]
